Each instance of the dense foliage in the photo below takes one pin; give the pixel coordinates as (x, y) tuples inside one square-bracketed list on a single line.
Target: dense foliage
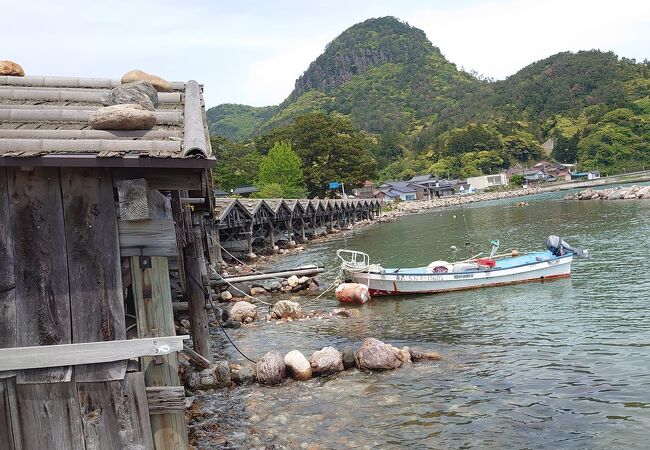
[(416, 112), (238, 122), (280, 174), (237, 164)]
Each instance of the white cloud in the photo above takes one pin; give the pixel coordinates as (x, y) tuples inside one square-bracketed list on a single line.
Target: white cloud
[(269, 80), (498, 38), (252, 52)]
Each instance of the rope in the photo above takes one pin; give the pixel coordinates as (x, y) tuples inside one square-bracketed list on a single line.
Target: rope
[(239, 260), (206, 295)]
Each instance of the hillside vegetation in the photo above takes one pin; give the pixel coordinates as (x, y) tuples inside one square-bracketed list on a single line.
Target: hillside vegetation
[(415, 111)]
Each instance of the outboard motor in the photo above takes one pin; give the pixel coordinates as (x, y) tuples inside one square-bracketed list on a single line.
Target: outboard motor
[(559, 247)]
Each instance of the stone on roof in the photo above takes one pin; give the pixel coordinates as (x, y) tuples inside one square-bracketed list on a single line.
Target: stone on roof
[(48, 117)]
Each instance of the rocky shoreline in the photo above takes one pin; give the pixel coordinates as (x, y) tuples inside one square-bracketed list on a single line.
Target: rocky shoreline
[(415, 207), (618, 193)]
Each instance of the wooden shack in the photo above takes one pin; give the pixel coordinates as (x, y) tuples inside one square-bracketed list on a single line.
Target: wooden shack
[(89, 223)]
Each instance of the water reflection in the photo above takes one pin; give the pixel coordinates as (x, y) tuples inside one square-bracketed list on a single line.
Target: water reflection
[(562, 363)]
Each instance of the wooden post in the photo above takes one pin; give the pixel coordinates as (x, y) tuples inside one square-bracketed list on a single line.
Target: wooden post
[(249, 240), (196, 298), (272, 233), (152, 294), (217, 239)]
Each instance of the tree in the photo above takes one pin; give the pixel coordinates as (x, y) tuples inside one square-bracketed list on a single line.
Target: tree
[(273, 190), (565, 150), (330, 149), (280, 172), (522, 146), (517, 180), (237, 164)]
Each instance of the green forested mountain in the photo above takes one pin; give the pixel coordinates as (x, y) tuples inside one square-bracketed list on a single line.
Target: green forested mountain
[(238, 122), (418, 112)]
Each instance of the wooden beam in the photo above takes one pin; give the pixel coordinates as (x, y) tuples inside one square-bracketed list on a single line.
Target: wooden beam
[(21, 358), (147, 238), (162, 179), (155, 318), (166, 399), (185, 306), (93, 265), (309, 271), (41, 268), (198, 360)]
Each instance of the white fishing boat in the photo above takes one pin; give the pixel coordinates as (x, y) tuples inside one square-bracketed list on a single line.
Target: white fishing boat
[(443, 276)]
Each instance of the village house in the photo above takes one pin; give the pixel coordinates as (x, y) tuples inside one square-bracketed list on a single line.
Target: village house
[(488, 181), (404, 190), (365, 191), (591, 175)]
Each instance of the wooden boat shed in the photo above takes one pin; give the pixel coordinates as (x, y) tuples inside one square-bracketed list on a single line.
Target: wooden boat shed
[(90, 222)]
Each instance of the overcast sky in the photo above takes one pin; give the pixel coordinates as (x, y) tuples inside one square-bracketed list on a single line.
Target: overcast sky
[(251, 52)]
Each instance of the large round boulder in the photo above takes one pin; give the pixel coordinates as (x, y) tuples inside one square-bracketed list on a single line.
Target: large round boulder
[(349, 360), (375, 355), (139, 92), (326, 361), (243, 310), (417, 355), (160, 84), (130, 116), (244, 375), (12, 69), (285, 309), (271, 369), (297, 365), (221, 374)]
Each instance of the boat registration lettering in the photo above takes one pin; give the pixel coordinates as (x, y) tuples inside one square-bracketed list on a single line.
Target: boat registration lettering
[(463, 276), (419, 277)]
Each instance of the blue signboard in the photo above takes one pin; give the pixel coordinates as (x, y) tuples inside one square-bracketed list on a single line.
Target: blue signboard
[(335, 185)]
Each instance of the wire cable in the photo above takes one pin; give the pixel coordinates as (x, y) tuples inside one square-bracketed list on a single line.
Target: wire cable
[(218, 319)]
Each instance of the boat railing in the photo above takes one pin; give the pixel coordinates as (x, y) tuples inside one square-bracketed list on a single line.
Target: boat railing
[(353, 261)]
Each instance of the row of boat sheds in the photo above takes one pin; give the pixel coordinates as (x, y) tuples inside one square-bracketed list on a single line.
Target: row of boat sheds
[(256, 225), (96, 226)]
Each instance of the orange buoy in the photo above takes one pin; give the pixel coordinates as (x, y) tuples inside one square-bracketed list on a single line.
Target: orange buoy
[(352, 293)]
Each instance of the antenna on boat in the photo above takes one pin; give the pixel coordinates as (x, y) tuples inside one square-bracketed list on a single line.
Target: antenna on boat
[(468, 242)]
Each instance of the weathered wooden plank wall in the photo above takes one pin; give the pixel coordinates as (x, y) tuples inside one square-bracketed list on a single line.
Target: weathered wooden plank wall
[(96, 301), (41, 269), (9, 422), (50, 416), (115, 414), (7, 279)]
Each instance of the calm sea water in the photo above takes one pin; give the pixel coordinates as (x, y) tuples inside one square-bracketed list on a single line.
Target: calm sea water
[(563, 364)]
